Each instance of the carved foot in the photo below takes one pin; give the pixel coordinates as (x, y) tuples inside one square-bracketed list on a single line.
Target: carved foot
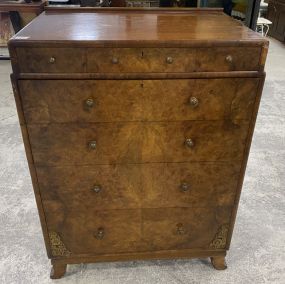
[(58, 270), (219, 262)]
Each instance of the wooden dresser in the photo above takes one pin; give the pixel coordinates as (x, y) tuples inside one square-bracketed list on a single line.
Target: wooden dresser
[(137, 126)]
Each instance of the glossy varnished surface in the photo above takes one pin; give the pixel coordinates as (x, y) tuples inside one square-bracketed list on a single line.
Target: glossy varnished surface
[(133, 27)]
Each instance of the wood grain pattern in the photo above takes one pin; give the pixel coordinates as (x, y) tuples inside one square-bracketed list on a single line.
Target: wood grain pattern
[(183, 59), (142, 27), (158, 198), (37, 60), (67, 144), (140, 185), (65, 100), (136, 230)]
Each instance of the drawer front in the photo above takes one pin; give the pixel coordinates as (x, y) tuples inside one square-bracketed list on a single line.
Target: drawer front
[(95, 232), (108, 143), (51, 60), (186, 228), (140, 185), (148, 100), (128, 60), (113, 231)]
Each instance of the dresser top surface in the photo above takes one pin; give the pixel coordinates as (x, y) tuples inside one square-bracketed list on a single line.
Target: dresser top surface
[(136, 27)]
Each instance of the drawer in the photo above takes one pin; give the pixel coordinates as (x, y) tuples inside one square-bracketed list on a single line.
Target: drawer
[(140, 185), (113, 231), (51, 60), (137, 100), (108, 143), (128, 60), (95, 232), (186, 228)]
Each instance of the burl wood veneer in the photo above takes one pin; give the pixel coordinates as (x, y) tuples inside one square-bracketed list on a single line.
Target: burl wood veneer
[(137, 126)]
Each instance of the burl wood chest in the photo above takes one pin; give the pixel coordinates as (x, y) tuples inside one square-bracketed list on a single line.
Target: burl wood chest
[(137, 126)]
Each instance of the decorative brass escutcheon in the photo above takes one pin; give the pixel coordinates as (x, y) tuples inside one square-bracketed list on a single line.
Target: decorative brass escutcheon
[(184, 186), (169, 59), (52, 60), (189, 142), (99, 235), (97, 188), (92, 145), (194, 102)]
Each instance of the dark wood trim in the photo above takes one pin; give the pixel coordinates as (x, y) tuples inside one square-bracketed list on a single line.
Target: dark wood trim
[(142, 76), (167, 254)]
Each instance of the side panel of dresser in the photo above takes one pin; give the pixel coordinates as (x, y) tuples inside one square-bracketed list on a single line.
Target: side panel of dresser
[(245, 157), (31, 165)]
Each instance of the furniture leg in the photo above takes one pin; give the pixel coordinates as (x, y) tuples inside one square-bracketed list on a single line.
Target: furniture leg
[(219, 262), (57, 270)]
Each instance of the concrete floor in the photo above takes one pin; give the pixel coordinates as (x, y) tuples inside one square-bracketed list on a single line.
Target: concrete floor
[(257, 252)]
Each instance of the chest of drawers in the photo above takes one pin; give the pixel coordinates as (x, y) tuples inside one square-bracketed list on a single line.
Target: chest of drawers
[(137, 126)]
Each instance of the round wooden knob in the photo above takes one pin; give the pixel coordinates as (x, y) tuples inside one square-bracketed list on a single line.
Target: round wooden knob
[(194, 102), (189, 142), (97, 188), (184, 186), (89, 102), (99, 235), (169, 60), (229, 58), (52, 60), (115, 60), (92, 145)]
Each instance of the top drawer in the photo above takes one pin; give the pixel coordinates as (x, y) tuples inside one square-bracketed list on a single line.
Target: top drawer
[(173, 59), (137, 60)]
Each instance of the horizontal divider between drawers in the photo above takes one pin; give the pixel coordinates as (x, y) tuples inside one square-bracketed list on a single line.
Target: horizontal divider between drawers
[(110, 164), (135, 121), (124, 76)]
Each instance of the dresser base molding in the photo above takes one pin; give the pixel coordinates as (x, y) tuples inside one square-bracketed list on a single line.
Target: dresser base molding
[(217, 258)]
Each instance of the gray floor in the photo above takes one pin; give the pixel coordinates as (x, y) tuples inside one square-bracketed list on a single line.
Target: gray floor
[(257, 252)]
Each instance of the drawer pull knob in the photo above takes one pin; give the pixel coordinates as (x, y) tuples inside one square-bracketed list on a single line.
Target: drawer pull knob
[(194, 102), (52, 60), (169, 60), (89, 102), (97, 188), (115, 60), (229, 58), (189, 142), (184, 187), (180, 229), (92, 145), (99, 235)]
